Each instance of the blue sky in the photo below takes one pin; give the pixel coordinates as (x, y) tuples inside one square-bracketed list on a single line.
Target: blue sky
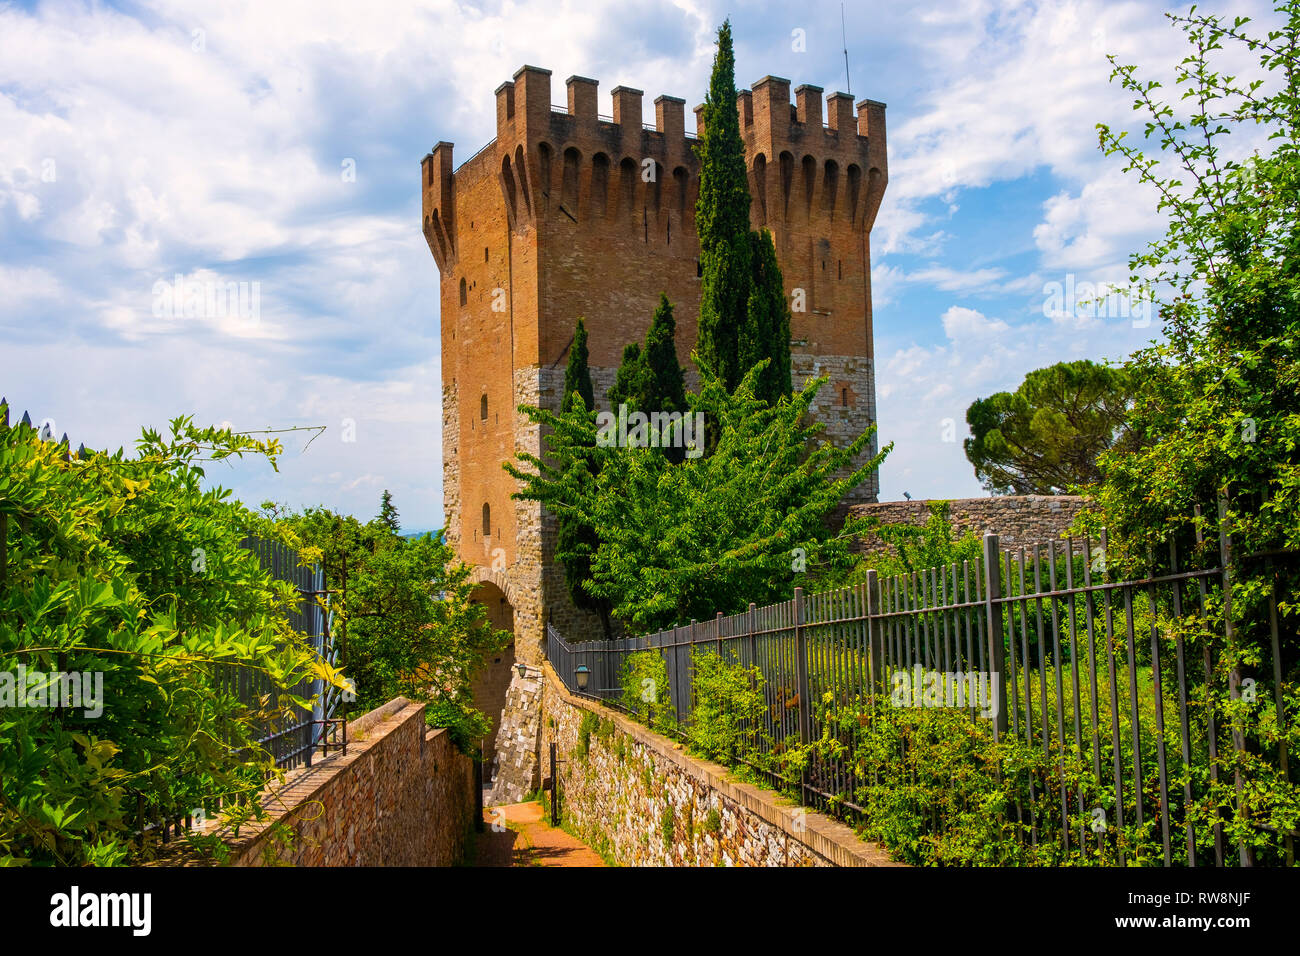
[(141, 141)]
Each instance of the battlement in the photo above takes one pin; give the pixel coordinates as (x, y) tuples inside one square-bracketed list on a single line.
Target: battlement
[(841, 161), (619, 172), (767, 109), (525, 113)]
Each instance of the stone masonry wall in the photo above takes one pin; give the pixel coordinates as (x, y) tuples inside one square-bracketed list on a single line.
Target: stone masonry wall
[(514, 768), (846, 405), (403, 795), (1018, 520), (532, 386), (639, 798)]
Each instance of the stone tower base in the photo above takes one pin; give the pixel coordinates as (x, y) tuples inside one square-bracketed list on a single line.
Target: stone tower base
[(514, 770)]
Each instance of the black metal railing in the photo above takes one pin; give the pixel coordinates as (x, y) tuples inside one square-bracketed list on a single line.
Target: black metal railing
[(293, 739), (1118, 683)]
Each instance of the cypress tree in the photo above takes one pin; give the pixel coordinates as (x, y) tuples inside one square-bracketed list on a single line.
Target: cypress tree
[(576, 539), (744, 316), (628, 387), (722, 221), (665, 380), (577, 374), (650, 379), (767, 323)]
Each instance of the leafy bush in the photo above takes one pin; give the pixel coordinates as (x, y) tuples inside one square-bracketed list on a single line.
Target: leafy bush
[(125, 567), (728, 705), (646, 693), (936, 790), (412, 628)]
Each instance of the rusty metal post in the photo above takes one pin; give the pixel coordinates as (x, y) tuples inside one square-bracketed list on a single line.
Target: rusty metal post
[(993, 629), (555, 790)]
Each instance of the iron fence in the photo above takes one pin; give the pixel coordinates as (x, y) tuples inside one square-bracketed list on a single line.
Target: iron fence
[(1121, 685), (292, 739)]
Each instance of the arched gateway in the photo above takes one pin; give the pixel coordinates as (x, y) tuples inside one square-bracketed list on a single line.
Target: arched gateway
[(489, 686)]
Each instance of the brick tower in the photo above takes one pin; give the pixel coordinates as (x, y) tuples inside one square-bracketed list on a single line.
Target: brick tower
[(555, 219)]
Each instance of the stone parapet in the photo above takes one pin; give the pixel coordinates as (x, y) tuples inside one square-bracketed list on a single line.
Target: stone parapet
[(402, 795), (640, 798), (1018, 520)]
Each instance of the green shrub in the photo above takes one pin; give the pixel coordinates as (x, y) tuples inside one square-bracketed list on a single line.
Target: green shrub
[(936, 790), (645, 690), (589, 724), (729, 704), (413, 628), (127, 568)]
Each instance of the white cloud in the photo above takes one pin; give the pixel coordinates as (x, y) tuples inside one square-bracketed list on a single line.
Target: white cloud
[(1098, 226), (969, 327), (135, 149), (885, 283), (128, 156), (23, 285), (363, 481), (954, 280), (1015, 89), (921, 387)]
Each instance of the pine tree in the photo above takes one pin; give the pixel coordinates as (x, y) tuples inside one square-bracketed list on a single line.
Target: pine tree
[(1046, 436), (722, 222), (388, 513)]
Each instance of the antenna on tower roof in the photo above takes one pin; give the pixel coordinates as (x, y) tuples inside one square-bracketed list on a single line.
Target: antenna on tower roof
[(845, 38)]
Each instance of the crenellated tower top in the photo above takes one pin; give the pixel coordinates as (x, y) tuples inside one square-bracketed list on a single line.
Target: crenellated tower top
[(615, 170)]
